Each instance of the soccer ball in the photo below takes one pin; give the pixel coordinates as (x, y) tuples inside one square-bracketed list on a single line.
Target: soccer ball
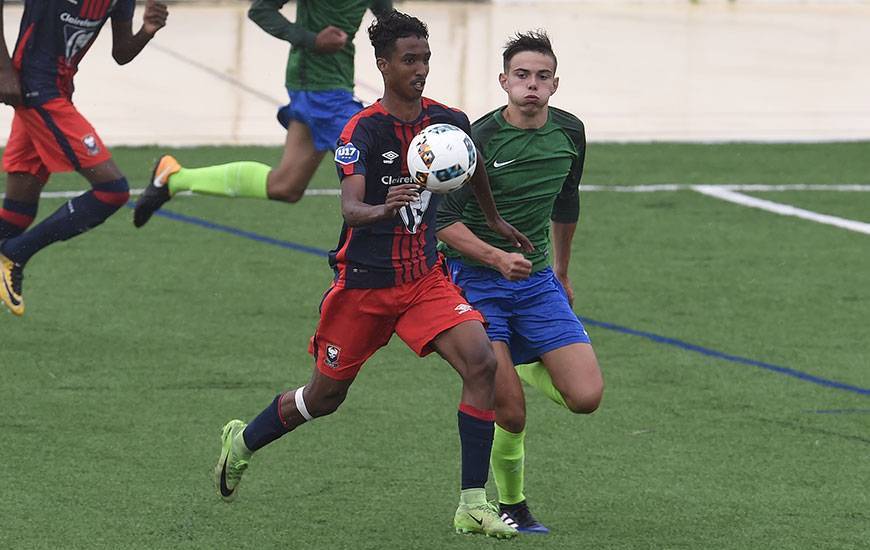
[(441, 158)]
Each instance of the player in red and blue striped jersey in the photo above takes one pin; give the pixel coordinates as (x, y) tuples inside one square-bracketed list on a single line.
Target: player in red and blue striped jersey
[(49, 134), (389, 279)]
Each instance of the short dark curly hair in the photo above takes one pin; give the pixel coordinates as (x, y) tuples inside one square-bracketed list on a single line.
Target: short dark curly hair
[(385, 30), (532, 41)]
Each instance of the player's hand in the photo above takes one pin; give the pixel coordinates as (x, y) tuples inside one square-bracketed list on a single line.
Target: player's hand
[(514, 266), (399, 196), (510, 233), (330, 40), (10, 87), (154, 18), (566, 284)]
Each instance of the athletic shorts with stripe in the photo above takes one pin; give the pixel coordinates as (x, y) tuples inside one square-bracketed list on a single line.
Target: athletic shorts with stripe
[(355, 323), (52, 137)]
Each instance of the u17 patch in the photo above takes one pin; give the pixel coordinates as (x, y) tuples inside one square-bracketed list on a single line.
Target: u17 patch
[(346, 154)]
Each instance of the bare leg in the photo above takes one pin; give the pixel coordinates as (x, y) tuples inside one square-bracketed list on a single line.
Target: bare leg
[(289, 180), (575, 373)]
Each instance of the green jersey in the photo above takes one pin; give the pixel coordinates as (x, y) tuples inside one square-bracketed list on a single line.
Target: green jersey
[(534, 175), (307, 69)]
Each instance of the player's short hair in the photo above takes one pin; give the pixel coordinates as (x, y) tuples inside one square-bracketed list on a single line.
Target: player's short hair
[(385, 30), (532, 41)]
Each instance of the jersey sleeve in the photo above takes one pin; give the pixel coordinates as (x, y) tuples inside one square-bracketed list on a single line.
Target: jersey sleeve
[(566, 208), (351, 151), (267, 15), (123, 10)]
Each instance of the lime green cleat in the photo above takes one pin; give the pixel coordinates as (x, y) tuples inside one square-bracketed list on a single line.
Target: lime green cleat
[(482, 518), (230, 466)]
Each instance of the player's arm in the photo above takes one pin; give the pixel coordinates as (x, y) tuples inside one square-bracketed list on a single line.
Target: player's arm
[(267, 15), (126, 45), (10, 87), (483, 193), (566, 212), (357, 212)]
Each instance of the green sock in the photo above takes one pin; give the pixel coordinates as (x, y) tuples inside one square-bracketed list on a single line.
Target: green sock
[(508, 456), (236, 179), (239, 447), (472, 496), (537, 376)]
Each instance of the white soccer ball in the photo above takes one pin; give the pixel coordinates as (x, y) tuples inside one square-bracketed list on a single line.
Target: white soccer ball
[(441, 158)]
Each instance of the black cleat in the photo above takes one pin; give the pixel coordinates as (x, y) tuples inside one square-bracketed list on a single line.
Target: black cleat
[(157, 192), (520, 518)]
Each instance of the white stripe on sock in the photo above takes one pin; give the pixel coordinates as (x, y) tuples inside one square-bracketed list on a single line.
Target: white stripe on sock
[(300, 404)]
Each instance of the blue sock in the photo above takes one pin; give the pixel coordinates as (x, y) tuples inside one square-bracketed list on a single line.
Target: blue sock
[(15, 217), (475, 436), (266, 428), (70, 220)]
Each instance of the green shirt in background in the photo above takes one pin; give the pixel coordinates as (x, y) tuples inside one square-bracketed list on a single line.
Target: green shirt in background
[(534, 175), (307, 69)]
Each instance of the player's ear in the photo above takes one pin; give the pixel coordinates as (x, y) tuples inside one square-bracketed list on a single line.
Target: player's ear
[(502, 79), (382, 64), (555, 84)]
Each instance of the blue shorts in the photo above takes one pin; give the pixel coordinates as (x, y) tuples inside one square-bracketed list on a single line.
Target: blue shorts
[(324, 112), (532, 316)]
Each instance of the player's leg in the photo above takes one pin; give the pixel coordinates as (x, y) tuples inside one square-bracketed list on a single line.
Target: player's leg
[(508, 446), (16, 214), (546, 328), (300, 160), (64, 140), (467, 348), (109, 191), (289, 410), (576, 376), (314, 122), (345, 338), (439, 319)]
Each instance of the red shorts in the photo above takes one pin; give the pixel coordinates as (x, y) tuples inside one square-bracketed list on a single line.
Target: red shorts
[(356, 322), (52, 137)]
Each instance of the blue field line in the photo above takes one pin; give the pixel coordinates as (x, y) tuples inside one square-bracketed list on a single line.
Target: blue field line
[(728, 357), (601, 324), (240, 233)]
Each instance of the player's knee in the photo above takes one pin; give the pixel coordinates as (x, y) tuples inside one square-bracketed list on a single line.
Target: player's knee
[(482, 364), (326, 404), (585, 402), (512, 419), (114, 194), (286, 195), (285, 189)]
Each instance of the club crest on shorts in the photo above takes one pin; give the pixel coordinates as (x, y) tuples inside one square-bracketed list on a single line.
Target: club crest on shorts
[(90, 143), (347, 154), (332, 354)]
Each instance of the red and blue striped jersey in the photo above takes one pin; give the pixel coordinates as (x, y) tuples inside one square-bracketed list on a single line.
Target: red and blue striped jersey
[(390, 252), (54, 36)]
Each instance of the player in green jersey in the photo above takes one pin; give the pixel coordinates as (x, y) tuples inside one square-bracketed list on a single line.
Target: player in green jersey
[(320, 82), (534, 154)]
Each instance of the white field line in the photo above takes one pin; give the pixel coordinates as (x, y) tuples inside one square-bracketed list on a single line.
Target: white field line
[(666, 187), (726, 194)]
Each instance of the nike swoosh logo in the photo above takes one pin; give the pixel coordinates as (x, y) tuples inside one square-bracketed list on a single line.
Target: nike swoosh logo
[(73, 2), (479, 521), (11, 294), (497, 164), (225, 491)]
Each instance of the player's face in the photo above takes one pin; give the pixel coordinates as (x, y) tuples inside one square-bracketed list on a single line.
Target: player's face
[(406, 69), (530, 80)]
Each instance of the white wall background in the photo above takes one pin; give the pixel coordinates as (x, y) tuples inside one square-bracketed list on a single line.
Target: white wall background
[(633, 71)]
